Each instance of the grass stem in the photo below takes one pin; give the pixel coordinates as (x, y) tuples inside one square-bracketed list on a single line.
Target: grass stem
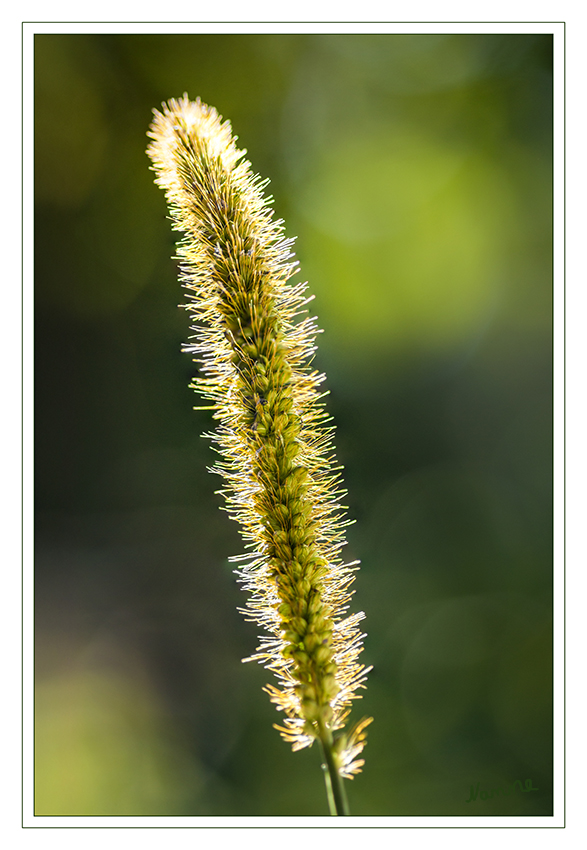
[(335, 791)]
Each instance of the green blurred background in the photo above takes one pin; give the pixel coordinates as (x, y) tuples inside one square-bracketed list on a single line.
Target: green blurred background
[(416, 172)]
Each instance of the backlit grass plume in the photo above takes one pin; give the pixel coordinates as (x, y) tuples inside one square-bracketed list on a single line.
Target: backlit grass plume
[(254, 343)]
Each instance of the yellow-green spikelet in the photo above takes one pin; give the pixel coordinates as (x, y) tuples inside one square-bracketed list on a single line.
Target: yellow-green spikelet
[(281, 484)]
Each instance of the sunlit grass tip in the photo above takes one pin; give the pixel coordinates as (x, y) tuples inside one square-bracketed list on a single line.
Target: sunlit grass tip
[(254, 342)]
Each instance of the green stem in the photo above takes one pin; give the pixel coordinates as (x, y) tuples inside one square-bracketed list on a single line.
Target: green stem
[(335, 792)]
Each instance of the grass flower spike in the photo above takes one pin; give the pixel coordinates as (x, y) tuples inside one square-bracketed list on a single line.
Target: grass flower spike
[(254, 343)]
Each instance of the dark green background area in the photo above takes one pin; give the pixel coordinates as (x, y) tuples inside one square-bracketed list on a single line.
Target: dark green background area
[(415, 171)]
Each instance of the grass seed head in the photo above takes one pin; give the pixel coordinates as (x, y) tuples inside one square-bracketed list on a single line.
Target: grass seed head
[(255, 353)]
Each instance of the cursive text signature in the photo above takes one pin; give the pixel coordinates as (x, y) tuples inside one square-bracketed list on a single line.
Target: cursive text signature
[(495, 792)]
